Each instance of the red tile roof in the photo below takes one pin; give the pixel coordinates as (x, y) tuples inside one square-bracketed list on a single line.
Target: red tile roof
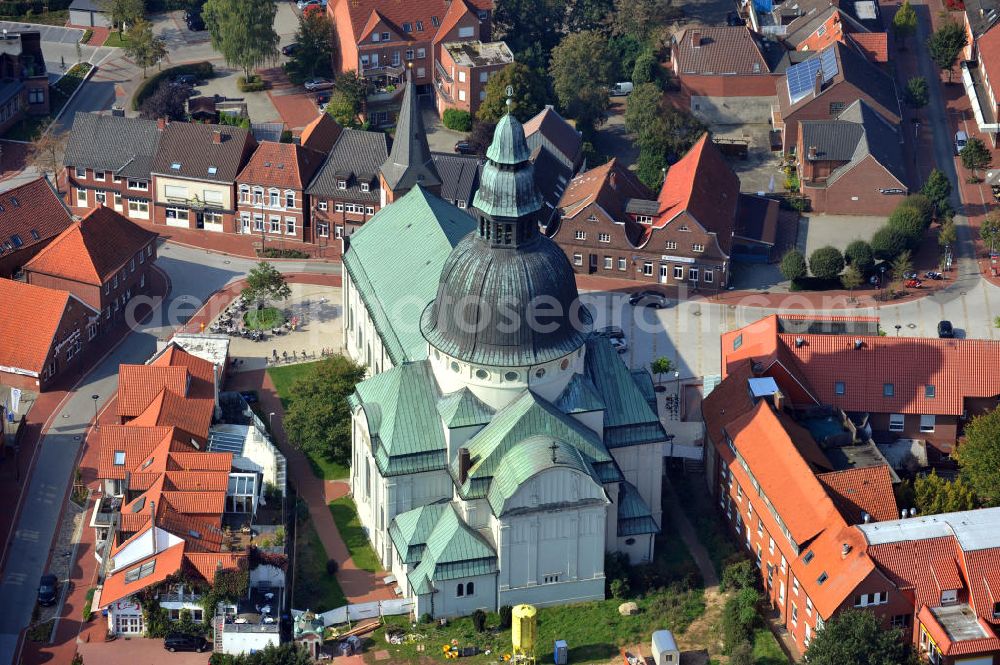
[(196, 503), (30, 321), (728, 401), (730, 50), (92, 250), (983, 567), (138, 385), (283, 165), (166, 563), (988, 46), (946, 575), (874, 44), (862, 490), (206, 564), (610, 185), (136, 442), (321, 134), (30, 210), (194, 416), (951, 647), (396, 13), (702, 184), (200, 371)]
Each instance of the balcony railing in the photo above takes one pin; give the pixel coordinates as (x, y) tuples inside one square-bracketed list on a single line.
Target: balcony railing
[(193, 203)]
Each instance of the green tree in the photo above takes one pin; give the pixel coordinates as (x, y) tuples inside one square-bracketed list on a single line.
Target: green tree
[(639, 18), (642, 112), (975, 155), (584, 15), (855, 636), (531, 28), (740, 617), (651, 166), (314, 56), (740, 575), (860, 255), (902, 265), (581, 76), (168, 101), (851, 278), (916, 93), (318, 418), (948, 235), (904, 23), (910, 223), (350, 92), (243, 32), (979, 456), (945, 45), (937, 189), (265, 283), (143, 47), (888, 242), (793, 265), (624, 50), (647, 69), (124, 13), (826, 262), (531, 93), (989, 230), (661, 366), (660, 130), (935, 495)]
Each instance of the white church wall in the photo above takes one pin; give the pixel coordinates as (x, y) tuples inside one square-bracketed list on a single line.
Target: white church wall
[(458, 437), (638, 548), (611, 524), (643, 467), (592, 420), (361, 340), (447, 602)]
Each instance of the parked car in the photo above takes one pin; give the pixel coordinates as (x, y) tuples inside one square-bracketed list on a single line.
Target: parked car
[(914, 284), (194, 21), (614, 332), (313, 85), (464, 148), (290, 49), (302, 4), (180, 642), (933, 275), (622, 89), (185, 79), (945, 330), (961, 138), (649, 298), (47, 590)]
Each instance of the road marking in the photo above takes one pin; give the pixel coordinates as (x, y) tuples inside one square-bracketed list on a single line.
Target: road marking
[(16, 579), (30, 535), (988, 311)]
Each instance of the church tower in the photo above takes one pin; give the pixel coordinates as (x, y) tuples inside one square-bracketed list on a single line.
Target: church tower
[(409, 162), (507, 315)]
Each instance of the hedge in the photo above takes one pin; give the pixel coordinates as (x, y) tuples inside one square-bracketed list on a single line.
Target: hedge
[(19, 9), (87, 36), (457, 120), (203, 70), (253, 84)]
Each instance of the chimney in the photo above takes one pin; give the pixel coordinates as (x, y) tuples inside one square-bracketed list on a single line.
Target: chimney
[(799, 342), (696, 38), (779, 401), (464, 462), (217, 137), (161, 124), (813, 151), (818, 84)]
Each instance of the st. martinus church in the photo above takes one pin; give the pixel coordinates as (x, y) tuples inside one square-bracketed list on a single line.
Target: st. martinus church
[(499, 449)]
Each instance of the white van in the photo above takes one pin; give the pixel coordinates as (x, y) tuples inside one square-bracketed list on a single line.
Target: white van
[(622, 89)]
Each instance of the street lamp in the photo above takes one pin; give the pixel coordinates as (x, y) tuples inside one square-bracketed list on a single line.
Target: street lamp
[(670, 440), (95, 397), (898, 327), (270, 416)]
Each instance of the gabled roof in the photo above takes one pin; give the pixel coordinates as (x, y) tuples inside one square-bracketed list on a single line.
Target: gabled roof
[(120, 584), (355, 158), (609, 185), (459, 176), (192, 149), (321, 134), (860, 491), (132, 446), (851, 67), (418, 224), (193, 416), (283, 165), (702, 184), (720, 50), (989, 53), (201, 372), (462, 409), (29, 215), (92, 250), (430, 13), (138, 385), (409, 162), (409, 531), (552, 176), (550, 129), (121, 145), (30, 321), (453, 551)]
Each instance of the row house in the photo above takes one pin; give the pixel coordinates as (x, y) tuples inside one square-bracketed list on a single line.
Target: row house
[(610, 224), (846, 365), (108, 160), (272, 192), (465, 70), (31, 215), (815, 24), (103, 260), (711, 62), (981, 65), (194, 174), (24, 81), (44, 335)]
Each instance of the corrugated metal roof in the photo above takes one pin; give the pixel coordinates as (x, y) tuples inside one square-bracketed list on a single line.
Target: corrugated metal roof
[(974, 529), (453, 551), (462, 409), (579, 396)]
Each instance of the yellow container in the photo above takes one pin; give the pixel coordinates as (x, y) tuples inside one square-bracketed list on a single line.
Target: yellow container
[(524, 628)]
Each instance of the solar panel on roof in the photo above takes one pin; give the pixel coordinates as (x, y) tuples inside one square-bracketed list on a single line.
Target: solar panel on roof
[(802, 77)]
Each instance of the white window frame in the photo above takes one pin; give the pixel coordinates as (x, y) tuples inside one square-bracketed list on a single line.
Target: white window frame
[(81, 201), (897, 422), (580, 235), (100, 176), (81, 174), (604, 237), (321, 206), (290, 226), (927, 422), (578, 259)]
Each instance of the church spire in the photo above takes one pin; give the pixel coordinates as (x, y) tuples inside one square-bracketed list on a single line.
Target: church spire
[(409, 163)]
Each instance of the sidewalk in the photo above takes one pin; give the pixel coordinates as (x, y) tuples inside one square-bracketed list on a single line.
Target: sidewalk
[(242, 244)]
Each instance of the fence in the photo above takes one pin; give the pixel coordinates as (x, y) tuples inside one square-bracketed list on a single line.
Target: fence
[(369, 610)]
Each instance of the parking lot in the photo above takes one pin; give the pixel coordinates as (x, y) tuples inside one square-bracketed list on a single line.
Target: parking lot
[(49, 33), (136, 651)]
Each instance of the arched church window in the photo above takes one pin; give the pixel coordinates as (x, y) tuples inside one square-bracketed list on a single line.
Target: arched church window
[(454, 366), (540, 372), (460, 590), (564, 364), (482, 374), (510, 376), (470, 588)]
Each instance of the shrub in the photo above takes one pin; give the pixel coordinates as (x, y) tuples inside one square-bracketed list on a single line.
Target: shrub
[(738, 576), (286, 136), (793, 265), (620, 588), (87, 35), (479, 621), (860, 255), (282, 253), (922, 204), (426, 618), (506, 616), (888, 242), (741, 654), (457, 120), (826, 262), (331, 567), (203, 70), (909, 222), (647, 69), (740, 618), (253, 83)]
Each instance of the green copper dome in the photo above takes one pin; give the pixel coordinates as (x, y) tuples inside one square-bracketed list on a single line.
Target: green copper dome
[(509, 145), (507, 184)]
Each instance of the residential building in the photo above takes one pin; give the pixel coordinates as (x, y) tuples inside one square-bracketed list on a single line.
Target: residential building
[(194, 176), (272, 192), (103, 259), (503, 464), (979, 17), (459, 177), (31, 215), (981, 75), (827, 82), (852, 165), (380, 39), (24, 82), (345, 193), (44, 334), (718, 62), (817, 24), (465, 69), (108, 161), (321, 134), (409, 162), (550, 130), (845, 364)]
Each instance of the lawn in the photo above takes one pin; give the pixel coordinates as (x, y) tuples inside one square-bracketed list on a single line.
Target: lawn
[(314, 588), (594, 631), (766, 650), (264, 319), (283, 378), (116, 40), (345, 514), (705, 518)]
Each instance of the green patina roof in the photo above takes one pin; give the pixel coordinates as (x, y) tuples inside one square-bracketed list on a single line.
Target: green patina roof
[(453, 551), (463, 409), (395, 261), (645, 383), (400, 406), (579, 396), (409, 531), (507, 183), (529, 457), (634, 516), (509, 145), (628, 417)]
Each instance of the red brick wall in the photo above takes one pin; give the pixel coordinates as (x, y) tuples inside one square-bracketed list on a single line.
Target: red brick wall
[(863, 183), (760, 85), (348, 222), (942, 438), (109, 186), (10, 263), (300, 213)]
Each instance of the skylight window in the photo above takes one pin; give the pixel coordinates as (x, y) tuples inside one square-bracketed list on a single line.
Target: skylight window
[(194, 534), (119, 458), (808, 557), (14, 202), (35, 235), (176, 166), (148, 462), (822, 578), (16, 239), (136, 574), (212, 170)]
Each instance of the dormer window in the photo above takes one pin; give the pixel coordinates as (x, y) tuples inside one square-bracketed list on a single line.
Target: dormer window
[(385, 36), (364, 187), (407, 27), (176, 166), (949, 596), (341, 184)]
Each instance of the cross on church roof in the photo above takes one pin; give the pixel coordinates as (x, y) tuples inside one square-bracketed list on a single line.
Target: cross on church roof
[(554, 447)]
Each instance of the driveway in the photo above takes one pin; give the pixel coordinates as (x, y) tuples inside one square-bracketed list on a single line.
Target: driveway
[(439, 137), (612, 138), (137, 651)]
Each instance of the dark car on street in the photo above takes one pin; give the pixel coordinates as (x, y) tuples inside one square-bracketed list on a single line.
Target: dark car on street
[(181, 642), (649, 298), (194, 21), (945, 330), (290, 49), (47, 590), (465, 148)]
